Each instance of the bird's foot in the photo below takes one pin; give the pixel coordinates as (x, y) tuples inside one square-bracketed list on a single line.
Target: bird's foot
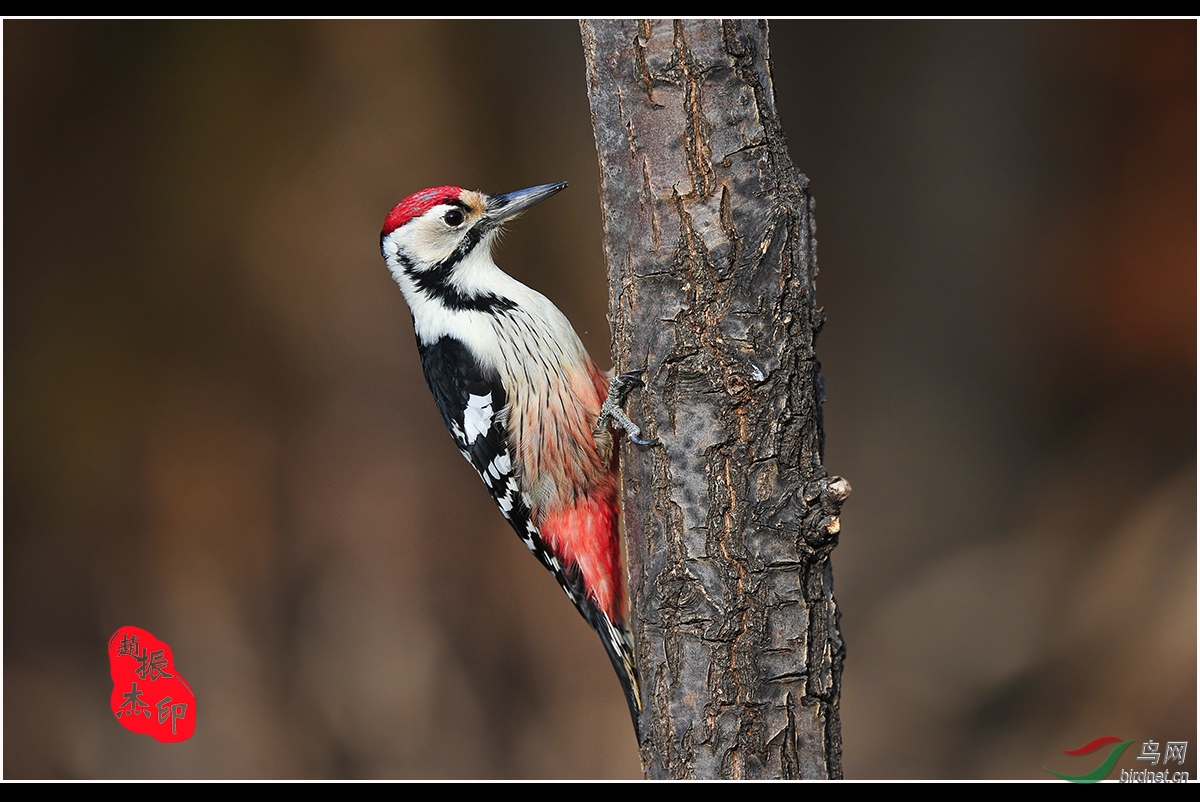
[(613, 412)]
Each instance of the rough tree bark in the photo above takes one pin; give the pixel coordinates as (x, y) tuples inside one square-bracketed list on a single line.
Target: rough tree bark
[(709, 239)]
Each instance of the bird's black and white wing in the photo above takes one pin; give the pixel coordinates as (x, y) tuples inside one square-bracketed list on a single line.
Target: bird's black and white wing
[(474, 405)]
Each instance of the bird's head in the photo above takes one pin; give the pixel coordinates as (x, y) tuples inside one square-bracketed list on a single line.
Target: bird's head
[(438, 228)]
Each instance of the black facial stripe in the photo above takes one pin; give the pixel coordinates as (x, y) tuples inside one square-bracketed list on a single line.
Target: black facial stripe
[(434, 283), (467, 244)]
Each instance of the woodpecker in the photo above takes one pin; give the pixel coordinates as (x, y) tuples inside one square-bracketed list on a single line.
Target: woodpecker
[(523, 401)]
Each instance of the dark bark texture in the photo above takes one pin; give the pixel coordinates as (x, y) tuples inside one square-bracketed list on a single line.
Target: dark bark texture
[(710, 245)]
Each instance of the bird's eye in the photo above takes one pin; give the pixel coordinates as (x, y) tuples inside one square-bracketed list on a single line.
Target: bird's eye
[(453, 218)]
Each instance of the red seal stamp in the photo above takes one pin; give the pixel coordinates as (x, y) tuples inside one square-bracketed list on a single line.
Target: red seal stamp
[(149, 695)]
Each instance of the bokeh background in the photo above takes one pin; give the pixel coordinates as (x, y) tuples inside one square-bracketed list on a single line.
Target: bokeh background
[(216, 428)]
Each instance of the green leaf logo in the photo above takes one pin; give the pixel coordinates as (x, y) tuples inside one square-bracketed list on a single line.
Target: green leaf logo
[(1101, 771)]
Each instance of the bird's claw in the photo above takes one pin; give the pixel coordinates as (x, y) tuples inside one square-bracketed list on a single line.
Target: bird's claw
[(633, 438), (629, 380), (613, 410)]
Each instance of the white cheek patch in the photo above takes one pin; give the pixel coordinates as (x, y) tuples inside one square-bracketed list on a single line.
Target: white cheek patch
[(477, 417), (430, 237)]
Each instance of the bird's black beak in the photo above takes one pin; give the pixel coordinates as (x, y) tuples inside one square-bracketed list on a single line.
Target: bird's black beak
[(511, 204)]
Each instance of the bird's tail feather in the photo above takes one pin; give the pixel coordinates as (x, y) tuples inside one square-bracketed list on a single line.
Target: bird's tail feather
[(619, 645)]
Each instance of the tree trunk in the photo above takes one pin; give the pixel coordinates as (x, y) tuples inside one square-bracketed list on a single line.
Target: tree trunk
[(709, 239)]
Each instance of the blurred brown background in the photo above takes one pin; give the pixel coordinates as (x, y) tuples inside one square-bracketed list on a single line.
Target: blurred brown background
[(216, 426)]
